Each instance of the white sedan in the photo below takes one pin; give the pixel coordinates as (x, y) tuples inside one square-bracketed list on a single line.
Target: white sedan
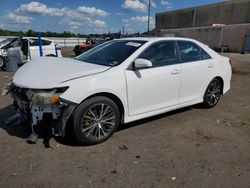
[(118, 82)]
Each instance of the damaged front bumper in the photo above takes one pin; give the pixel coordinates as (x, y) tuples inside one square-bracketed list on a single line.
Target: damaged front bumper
[(36, 104), (6, 89)]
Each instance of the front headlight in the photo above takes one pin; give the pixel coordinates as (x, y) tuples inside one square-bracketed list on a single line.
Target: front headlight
[(51, 96)]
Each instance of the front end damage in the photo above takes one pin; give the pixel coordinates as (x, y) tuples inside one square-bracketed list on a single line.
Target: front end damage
[(36, 105)]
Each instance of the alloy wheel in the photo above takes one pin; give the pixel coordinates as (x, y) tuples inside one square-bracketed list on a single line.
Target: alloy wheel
[(214, 92), (98, 121)]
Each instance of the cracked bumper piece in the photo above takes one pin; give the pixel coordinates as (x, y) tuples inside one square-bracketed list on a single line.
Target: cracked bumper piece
[(7, 87), (38, 104)]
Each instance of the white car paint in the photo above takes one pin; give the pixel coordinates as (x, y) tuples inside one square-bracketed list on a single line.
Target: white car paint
[(154, 97), (47, 49), (143, 93), (61, 70), (29, 48)]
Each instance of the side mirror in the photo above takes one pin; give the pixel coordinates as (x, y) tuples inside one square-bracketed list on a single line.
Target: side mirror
[(142, 63)]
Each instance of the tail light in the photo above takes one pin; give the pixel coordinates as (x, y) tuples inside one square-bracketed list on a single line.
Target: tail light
[(58, 48), (230, 61)]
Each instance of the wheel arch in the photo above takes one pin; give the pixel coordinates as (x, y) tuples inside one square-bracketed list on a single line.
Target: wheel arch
[(222, 82), (2, 57), (50, 55), (113, 97)]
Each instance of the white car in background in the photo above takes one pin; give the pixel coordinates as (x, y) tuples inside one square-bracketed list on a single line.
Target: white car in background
[(120, 81), (28, 48)]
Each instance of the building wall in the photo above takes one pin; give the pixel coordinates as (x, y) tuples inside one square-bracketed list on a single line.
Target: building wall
[(228, 12), (232, 36), (197, 23)]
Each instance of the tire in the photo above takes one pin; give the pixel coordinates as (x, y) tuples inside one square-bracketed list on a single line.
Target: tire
[(95, 120), (77, 53), (50, 55), (212, 93)]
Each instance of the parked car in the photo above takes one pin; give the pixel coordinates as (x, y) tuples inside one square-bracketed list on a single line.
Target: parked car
[(79, 49), (120, 81), (90, 43), (28, 48)]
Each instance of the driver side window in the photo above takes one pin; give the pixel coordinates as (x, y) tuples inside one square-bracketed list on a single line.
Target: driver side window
[(161, 54)]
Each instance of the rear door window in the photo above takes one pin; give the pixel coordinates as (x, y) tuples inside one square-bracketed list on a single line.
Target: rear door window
[(190, 51), (46, 42), (35, 42)]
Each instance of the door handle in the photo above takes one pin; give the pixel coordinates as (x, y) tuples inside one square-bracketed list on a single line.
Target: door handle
[(210, 65), (175, 71)]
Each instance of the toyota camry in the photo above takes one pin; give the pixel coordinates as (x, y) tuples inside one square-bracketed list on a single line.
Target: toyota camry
[(119, 81)]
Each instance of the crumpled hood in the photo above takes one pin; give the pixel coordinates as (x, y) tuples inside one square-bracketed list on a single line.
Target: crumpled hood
[(48, 72)]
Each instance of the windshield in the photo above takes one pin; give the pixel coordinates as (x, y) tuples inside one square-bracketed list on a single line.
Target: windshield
[(6, 41), (111, 53)]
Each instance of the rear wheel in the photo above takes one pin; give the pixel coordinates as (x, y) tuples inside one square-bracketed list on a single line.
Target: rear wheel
[(95, 120), (213, 93)]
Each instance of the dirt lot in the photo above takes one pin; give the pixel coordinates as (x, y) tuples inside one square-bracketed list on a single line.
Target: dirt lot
[(191, 147)]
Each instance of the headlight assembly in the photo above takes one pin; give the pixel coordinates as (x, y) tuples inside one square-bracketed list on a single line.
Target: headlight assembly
[(45, 96), (4, 52)]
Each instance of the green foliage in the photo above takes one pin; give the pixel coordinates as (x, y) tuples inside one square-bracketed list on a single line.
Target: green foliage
[(150, 33), (31, 33)]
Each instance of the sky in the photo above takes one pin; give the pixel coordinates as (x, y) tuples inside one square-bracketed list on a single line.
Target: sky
[(86, 16)]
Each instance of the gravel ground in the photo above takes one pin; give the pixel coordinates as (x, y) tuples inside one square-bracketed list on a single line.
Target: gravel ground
[(190, 147)]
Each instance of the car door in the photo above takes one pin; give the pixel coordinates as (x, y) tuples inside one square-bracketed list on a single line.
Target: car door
[(48, 47), (156, 87), (196, 68), (34, 48), (25, 50)]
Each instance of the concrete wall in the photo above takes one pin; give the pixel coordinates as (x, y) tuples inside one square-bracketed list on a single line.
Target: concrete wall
[(197, 23), (228, 12), (232, 36)]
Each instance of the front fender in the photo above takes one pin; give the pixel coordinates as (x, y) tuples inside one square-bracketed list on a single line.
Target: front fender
[(112, 82)]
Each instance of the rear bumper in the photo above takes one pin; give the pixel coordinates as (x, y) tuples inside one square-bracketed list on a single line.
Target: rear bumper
[(227, 79)]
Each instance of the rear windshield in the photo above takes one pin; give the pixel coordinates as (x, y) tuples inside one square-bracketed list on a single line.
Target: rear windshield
[(111, 53)]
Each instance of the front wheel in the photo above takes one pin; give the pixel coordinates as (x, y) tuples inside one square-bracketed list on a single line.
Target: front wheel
[(95, 120), (77, 53), (213, 93)]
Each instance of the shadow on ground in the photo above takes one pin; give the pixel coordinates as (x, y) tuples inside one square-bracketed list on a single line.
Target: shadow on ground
[(44, 131), (23, 130)]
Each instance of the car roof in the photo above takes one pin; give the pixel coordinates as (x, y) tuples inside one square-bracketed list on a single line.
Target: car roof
[(156, 38), (36, 38)]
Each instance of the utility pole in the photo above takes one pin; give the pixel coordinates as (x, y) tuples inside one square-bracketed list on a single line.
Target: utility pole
[(149, 6)]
